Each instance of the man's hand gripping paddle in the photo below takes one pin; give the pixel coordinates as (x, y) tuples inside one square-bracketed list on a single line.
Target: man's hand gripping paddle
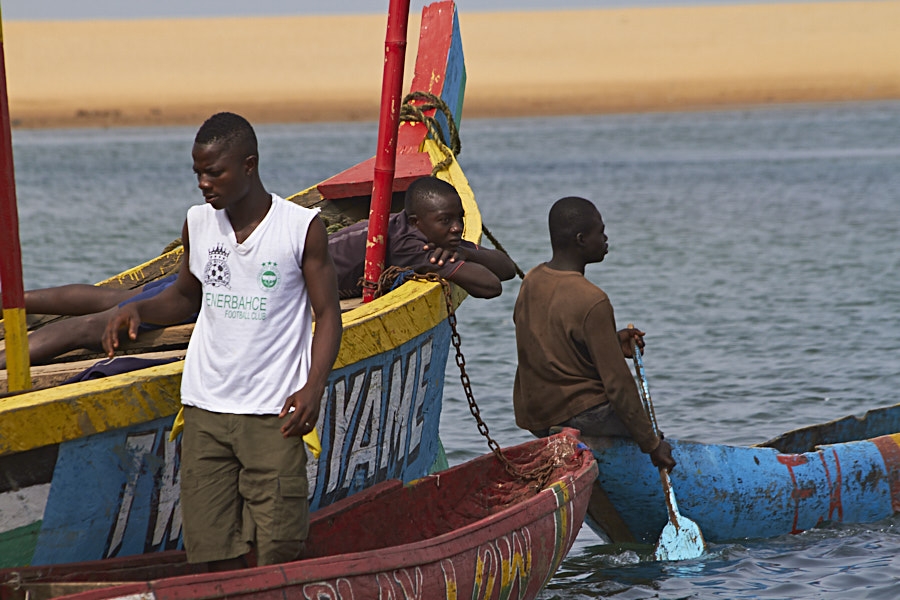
[(681, 538)]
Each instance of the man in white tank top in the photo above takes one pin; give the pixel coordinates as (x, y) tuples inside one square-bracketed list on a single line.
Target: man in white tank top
[(254, 267)]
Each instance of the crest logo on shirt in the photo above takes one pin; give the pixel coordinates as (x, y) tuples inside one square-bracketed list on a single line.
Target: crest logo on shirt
[(268, 276), (217, 273)]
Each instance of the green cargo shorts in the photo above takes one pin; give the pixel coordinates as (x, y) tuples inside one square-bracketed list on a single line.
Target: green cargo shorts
[(242, 485)]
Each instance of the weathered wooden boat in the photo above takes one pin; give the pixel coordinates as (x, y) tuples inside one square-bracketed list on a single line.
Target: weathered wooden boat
[(847, 470), (472, 531), (87, 470)]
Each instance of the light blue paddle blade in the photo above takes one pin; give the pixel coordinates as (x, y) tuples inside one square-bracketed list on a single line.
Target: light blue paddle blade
[(680, 542), (681, 538)]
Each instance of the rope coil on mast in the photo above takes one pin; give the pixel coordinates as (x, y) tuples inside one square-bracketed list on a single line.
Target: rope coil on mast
[(415, 113)]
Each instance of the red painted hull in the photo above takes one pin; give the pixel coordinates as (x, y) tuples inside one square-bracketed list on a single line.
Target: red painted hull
[(472, 531)]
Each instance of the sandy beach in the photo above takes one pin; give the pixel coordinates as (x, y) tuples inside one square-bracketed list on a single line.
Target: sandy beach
[(317, 68)]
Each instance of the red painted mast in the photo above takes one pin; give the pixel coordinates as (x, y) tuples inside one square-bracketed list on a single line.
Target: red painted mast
[(17, 362), (386, 157)]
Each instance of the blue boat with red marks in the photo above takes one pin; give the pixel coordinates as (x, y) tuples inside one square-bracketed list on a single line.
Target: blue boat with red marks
[(843, 471)]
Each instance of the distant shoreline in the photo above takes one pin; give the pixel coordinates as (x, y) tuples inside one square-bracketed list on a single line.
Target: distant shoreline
[(328, 68)]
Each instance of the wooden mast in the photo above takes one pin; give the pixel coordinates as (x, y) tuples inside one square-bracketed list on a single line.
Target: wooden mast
[(386, 157), (17, 362)]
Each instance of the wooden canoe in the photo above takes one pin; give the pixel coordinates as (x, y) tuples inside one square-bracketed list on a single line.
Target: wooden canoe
[(87, 470), (843, 471), (472, 531)]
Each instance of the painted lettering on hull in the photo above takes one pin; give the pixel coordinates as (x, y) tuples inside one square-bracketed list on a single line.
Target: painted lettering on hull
[(154, 455), (375, 418), (117, 493), (374, 431), (504, 563), (112, 494), (402, 584), (341, 589), (501, 569)]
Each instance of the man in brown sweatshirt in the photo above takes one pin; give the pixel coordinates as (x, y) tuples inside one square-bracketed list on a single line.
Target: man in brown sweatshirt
[(572, 369)]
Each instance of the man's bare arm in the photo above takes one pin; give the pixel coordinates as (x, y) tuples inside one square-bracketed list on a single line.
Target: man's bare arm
[(174, 304), (321, 285)]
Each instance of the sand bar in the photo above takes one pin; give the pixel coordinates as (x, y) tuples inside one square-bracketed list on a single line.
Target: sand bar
[(155, 72)]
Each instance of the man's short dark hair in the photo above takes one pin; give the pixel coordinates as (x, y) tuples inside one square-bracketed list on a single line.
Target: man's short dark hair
[(568, 218), (229, 129), (423, 189)]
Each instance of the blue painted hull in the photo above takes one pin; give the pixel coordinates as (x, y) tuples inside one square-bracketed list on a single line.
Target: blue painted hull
[(116, 493), (786, 486)]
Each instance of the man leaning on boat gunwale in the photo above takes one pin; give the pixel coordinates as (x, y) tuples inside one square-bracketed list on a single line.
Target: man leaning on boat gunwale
[(426, 237)]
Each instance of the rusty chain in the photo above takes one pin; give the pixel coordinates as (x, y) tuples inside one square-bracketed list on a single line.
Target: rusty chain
[(539, 476)]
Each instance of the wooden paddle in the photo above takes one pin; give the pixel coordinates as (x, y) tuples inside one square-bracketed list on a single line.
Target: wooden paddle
[(681, 538)]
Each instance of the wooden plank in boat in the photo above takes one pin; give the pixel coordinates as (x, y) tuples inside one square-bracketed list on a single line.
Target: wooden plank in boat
[(45, 376)]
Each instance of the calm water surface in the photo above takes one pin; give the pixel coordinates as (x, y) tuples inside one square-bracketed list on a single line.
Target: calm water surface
[(757, 248)]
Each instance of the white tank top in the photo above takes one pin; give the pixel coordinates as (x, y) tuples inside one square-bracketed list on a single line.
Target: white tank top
[(250, 348)]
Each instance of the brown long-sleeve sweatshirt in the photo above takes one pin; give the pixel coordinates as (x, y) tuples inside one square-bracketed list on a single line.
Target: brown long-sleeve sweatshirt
[(570, 357)]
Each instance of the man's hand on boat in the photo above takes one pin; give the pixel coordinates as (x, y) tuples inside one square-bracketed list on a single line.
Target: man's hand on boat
[(662, 456), (480, 271), (440, 255), (302, 410), (498, 263)]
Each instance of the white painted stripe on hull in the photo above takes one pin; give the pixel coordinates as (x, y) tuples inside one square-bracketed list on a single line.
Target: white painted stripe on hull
[(23, 507)]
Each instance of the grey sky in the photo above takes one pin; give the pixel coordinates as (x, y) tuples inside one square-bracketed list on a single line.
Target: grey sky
[(135, 9)]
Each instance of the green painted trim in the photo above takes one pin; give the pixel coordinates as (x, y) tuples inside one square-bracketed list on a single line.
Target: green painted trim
[(440, 461), (17, 546)]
